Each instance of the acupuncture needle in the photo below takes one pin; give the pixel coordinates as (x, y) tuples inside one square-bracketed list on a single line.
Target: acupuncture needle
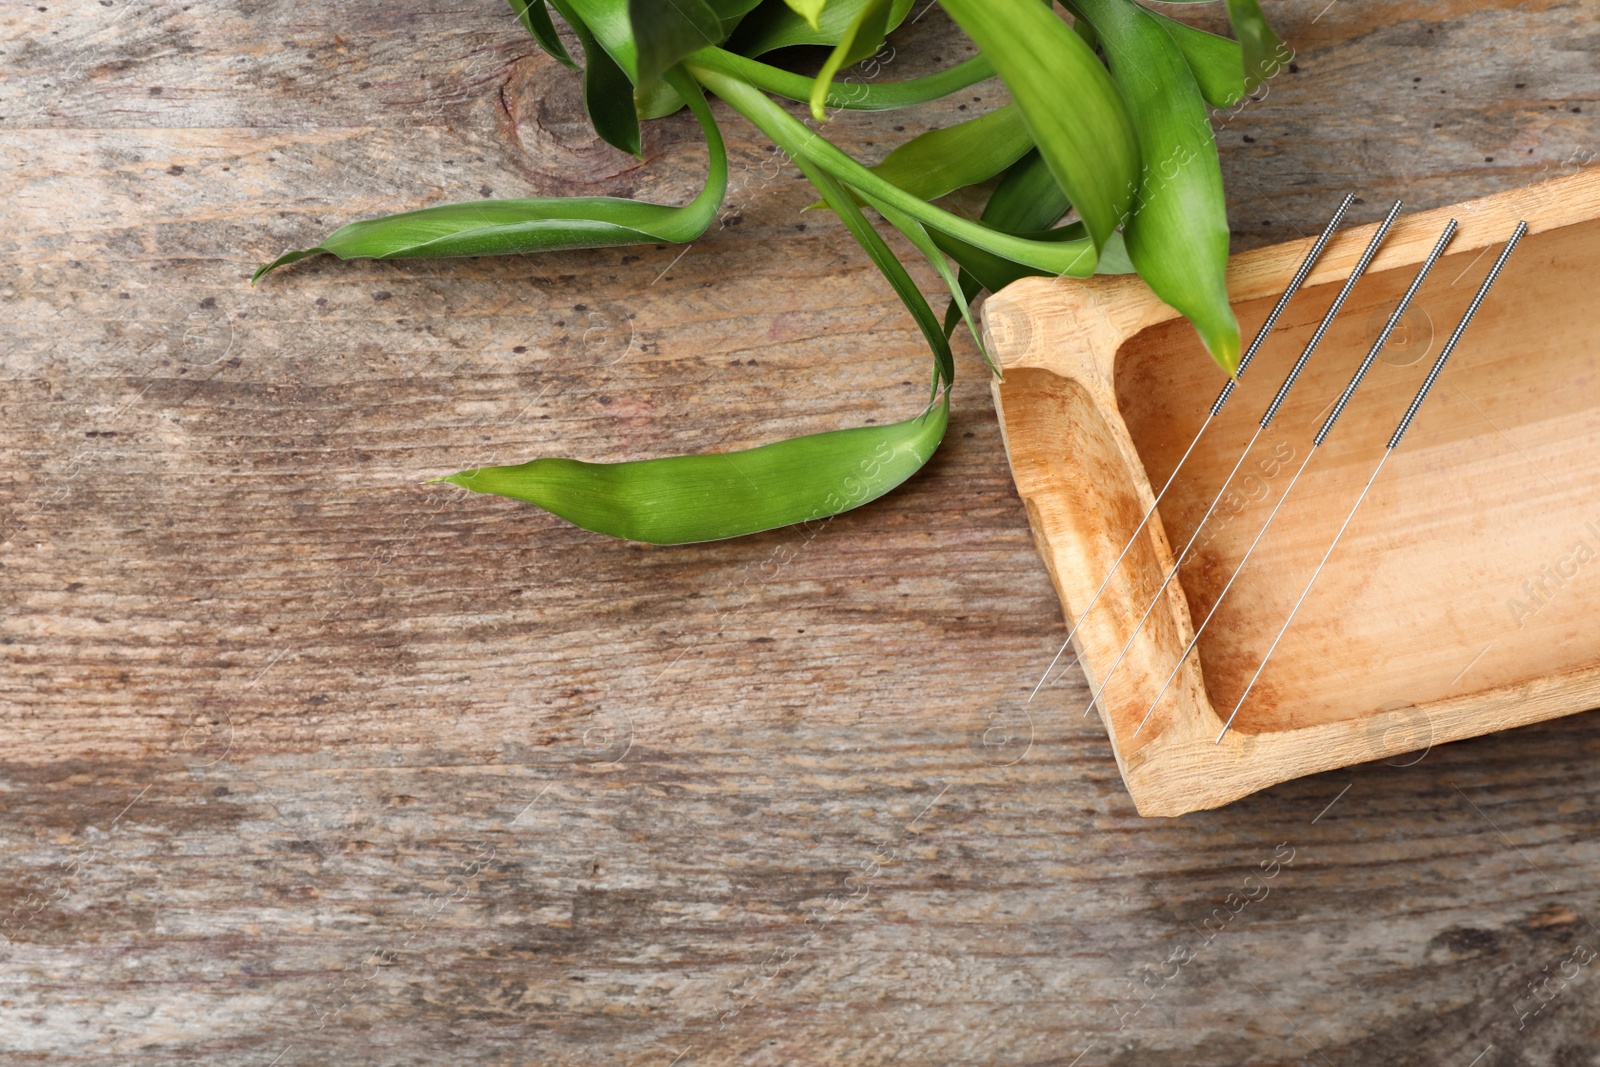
[(1338, 408), (1405, 423), (1316, 443), (1266, 419), (1222, 398)]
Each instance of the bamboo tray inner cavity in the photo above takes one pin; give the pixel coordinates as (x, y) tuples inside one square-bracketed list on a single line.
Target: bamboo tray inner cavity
[(1463, 595), (1474, 562)]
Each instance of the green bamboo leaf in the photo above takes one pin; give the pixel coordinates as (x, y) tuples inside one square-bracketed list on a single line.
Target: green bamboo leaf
[(777, 26), (656, 100), (919, 236), (985, 269), (1074, 258), (810, 10), (1178, 235), (607, 91), (1264, 52), (861, 39), (504, 227), (994, 273), (1082, 28), (731, 12), (608, 22), (669, 26), (836, 196), (683, 499), (664, 31), (940, 161), (1027, 200), (859, 96), (535, 18), (944, 160), (1073, 110), (1216, 62)]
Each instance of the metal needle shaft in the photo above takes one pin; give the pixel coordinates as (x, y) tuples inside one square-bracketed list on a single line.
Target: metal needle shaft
[(1285, 629), (1216, 407), (1266, 420), (1224, 594), (1405, 424), (1322, 435)]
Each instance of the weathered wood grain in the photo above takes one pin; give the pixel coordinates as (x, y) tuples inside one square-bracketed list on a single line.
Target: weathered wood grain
[(309, 762)]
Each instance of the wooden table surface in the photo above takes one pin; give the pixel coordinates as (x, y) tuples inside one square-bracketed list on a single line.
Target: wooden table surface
[(309, 762)]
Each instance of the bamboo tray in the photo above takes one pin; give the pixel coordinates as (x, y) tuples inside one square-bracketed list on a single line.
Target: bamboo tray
[(1464, 595)]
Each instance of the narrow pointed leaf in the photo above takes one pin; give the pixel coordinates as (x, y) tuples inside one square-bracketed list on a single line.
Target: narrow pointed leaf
[(1082, 28), (771, 26), (1074, 258), (732, 12), (862, 38), (608, 22), (1216, 62), (987, 270), (682, 499), (656, 100), (1264, 52), (1178, 235), (1073, 110), (664, 31), (944, 160), (503, 227), (919, 236), (607, 91), (860, 96), (839, 198), (669, 28), (994, 272), (1026, 200), (810, 10), (535, 18)]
